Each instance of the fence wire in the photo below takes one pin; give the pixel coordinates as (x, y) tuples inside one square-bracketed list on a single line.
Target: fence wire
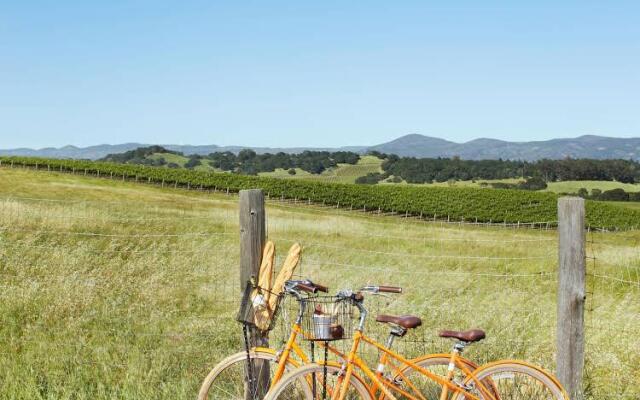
[(612, 315), (124, 286)]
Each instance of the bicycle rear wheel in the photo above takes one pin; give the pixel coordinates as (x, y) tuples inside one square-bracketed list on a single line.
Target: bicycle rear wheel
[(314, 382), (514, 380), (410, 379)]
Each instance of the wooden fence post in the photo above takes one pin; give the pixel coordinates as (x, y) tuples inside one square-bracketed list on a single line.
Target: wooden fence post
[(252, 234), (571, 295), (252, 240)]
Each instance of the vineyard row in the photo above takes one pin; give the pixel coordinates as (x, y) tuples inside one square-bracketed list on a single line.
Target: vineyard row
[(481, 204)]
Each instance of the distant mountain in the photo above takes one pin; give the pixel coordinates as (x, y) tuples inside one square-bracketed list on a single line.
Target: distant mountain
[(588, 146), (91, 152), (414, 145), (100, 151)]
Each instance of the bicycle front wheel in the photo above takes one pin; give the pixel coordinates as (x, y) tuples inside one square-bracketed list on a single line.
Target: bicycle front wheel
[(514, 380), (229, 380), (316, 382)]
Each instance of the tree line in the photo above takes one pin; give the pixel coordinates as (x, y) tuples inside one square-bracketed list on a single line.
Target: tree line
[(397, 169), (617, 194), (429, 170), (246, 162)]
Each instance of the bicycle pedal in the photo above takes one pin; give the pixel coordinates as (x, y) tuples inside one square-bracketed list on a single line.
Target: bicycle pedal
[(398, 381), (464, 387)]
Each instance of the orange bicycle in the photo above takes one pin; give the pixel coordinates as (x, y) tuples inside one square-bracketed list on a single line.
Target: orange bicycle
[(399, 378), (236, 377)]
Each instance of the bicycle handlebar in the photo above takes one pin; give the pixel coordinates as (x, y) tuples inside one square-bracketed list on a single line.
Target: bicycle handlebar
[(357, 298), (382, 289), (321, 288), (306, 288), (292, 286)]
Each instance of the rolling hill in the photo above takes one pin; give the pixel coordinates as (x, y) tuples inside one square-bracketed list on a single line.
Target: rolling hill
[(413, 145)]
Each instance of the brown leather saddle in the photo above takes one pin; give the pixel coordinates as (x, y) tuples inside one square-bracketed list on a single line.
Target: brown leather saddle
[(405, 321), (470, 336)]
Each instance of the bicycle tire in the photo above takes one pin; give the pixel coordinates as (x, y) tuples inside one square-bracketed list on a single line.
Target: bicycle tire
[(209, 390), (296, 382), (508, 378)]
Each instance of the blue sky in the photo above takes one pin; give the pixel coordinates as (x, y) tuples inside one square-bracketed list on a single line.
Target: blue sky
[(315, 73)]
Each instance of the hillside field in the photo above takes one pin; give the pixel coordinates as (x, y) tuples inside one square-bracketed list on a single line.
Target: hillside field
[(343, 173), (346, 173), (433, 203), (114, 289)]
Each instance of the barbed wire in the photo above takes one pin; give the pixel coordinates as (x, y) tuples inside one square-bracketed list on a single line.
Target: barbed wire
[(140, 219), (293, 211), (105, 251), (518, 239), (113, 235), (94, 201), (387, 269), (374, 216), (611, 278), (425, 256)]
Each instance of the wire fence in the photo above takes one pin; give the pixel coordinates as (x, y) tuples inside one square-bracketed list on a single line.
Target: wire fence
[(157, 285), (612, 316)]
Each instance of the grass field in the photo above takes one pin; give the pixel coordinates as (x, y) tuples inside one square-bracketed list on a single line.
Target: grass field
[(170, 158), (113, 289), (634, 205), (346, 173), (574, 186), (555, 187), (343, 173)]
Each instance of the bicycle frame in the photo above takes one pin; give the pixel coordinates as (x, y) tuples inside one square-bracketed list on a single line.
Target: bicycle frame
[(292, 346), (386, 386)]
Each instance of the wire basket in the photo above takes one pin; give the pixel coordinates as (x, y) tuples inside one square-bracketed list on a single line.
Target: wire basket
[(259, 307), (326, 319)]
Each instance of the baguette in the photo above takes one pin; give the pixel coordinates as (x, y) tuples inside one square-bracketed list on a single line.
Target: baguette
[(260, 295), (290, 264)]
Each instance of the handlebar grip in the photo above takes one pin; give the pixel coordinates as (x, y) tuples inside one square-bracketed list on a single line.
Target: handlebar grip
[(306, 288), (389, 289), (321, 288)]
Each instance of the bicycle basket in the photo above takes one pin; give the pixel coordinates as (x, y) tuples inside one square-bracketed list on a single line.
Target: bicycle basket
[(259, 307), (326, 319)]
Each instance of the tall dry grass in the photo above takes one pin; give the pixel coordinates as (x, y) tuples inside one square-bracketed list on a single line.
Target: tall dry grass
[(118, 290)]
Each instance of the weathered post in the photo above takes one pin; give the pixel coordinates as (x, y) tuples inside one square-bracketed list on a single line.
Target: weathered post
[(252, 233), (252, 240), (571, 294)]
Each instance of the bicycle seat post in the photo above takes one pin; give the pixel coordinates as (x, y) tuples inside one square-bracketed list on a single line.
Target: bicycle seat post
[(396, 331), (458, 348)]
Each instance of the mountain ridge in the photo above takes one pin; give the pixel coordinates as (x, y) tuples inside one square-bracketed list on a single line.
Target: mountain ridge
[(411, 145)]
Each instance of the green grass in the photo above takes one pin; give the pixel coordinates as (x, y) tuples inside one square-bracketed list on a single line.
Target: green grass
[(284, 173), (347, 173), (574, 186), (343, 173), (483, 205), (130, 316), (181, 160), (555, 187), (634, 205), (472, 184), (170, 158)]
